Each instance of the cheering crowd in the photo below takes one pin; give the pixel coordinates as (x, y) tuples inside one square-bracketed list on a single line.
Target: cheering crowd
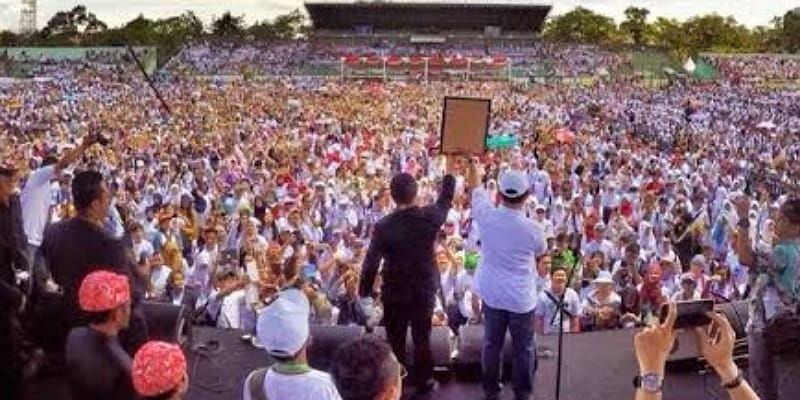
[(232, 192), (758, 67)]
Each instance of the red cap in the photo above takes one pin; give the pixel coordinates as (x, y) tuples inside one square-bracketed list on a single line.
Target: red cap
[(157, 368), (103, 291)]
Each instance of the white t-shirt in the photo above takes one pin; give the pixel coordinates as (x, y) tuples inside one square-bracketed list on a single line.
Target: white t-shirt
[(159, 278), (143, 247), (460, 283), (546, 308), (36, 199), (230, 316), (312, 385)]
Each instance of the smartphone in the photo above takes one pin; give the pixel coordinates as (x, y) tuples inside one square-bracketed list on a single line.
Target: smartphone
[(229, 258), (310, 271), (690, 313)]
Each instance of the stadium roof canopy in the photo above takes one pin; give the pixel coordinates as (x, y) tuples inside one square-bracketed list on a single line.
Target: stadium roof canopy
[(433, 17)]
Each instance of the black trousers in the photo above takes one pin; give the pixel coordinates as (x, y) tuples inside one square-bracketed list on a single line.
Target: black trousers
[(10, 366), (417, 312)]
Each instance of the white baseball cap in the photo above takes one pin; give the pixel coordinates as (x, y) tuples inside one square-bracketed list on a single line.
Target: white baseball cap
[(604, 277), (513, 184), (282, 327)]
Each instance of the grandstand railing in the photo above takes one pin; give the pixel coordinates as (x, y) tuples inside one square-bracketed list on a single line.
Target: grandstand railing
[(425, 67)]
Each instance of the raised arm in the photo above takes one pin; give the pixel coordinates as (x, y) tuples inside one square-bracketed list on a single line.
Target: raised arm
[(439, 210), (372, 261), (73, 155)]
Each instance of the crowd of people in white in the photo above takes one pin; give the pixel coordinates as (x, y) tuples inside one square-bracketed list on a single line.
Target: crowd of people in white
[(249, 187)]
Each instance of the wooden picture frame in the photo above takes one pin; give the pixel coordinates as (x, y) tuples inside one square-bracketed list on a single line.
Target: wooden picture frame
[(465, 125)]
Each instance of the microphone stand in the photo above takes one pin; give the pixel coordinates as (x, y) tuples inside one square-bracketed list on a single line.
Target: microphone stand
[(560, 314)]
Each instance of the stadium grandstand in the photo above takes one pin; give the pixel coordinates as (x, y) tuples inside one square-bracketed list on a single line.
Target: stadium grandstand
[(470, 19), (428, 40)]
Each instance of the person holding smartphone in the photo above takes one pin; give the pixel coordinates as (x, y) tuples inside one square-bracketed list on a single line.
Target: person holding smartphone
[(715, 342), (774, 293)]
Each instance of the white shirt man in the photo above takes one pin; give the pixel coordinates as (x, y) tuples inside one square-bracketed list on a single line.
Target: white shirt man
[(36, 200), (141, 246), (457, 289), (545, 223), (505, 279), (549, 315), (510, 243), (283, 331), (600, 243), (540, 184)]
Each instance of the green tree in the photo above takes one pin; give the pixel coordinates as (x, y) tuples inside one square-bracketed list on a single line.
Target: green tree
[(790, 31), (635, 24), (290, 26), (285, 26), (668, 34), (713, 32), (262, 30), (8, 38), (227, 25), (762, 39), (581, 25), (73, 23)]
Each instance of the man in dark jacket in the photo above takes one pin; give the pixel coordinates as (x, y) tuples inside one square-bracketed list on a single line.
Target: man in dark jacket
[(78, 246), (404, 240), (11, 298), (97, 366)]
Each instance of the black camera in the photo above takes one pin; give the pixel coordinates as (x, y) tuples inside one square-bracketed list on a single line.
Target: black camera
[(103, 141)]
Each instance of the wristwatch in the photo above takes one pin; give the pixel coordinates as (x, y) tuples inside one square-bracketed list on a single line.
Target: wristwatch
[(735, 383), (649, 382)]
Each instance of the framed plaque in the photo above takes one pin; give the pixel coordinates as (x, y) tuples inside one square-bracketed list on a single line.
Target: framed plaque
[(465, 125)]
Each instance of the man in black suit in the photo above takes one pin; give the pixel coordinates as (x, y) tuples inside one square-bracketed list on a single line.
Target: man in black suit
[(12, 299), (76, 247), (405, 240)]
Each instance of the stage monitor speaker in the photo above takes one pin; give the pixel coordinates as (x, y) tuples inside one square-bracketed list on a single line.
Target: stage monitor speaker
[(167, 322), (326, 339)]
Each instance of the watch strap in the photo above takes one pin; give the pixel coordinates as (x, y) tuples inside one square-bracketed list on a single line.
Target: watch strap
[(736, 382), (638, 382)]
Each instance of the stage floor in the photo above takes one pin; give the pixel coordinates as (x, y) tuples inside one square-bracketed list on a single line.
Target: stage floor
[(596, 367), (221, 376)]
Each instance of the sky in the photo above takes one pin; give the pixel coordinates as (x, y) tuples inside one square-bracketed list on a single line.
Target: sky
[(117, 12)]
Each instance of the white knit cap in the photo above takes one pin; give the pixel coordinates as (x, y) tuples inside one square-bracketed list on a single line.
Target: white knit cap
[(283, 325)]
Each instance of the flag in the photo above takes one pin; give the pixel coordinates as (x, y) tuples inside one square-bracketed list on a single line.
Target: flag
[(689, 66)]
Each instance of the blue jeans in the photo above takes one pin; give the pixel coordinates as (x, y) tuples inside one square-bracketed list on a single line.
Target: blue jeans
[(496, 322)]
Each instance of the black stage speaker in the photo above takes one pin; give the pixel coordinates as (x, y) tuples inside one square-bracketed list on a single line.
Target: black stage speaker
[(167, 322), (326, 339)]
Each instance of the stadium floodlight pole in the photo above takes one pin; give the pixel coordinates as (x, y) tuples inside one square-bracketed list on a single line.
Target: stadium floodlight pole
[(148, 79), (426, 70)]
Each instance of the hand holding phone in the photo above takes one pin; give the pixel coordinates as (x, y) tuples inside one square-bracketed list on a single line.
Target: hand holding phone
[(654, 342), (691, 314)]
